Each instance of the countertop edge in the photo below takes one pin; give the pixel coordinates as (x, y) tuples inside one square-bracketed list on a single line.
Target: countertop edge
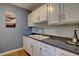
[(48, 43)]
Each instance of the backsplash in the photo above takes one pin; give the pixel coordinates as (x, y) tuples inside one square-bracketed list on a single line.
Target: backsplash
[(61, 30)]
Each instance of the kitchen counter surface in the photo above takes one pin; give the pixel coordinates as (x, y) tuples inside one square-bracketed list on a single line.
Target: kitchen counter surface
[(60, 43)]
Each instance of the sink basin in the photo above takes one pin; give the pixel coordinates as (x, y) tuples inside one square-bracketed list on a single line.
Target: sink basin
[(72, 43), (39, 37)]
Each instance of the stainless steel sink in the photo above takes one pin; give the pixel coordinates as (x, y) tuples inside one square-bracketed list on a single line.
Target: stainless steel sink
[(39, 37)]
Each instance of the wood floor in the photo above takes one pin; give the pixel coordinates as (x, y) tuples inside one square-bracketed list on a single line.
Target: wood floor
[(18, 53)]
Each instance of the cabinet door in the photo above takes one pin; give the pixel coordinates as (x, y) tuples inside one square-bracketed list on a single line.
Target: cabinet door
[(60, 52), (35, 50), (24, 43), (46, 50), (53, 13), (27, 44), (71, 13), (43, 11), (30, 20), (36, 16)]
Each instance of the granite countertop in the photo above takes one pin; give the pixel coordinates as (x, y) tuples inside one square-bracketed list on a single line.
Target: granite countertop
[(60, 43)]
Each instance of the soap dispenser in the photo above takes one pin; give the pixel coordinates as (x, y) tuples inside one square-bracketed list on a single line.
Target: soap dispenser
[(75, 37)]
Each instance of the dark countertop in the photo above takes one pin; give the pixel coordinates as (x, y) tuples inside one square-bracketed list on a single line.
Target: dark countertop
[(60, 43)]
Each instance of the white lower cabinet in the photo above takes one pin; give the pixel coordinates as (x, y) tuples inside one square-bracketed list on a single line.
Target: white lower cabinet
[(61, 52), (37, 48), (27, 44), (42, 49), (46, 50)]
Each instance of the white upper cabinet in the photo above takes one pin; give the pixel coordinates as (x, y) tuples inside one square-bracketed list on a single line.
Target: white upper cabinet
[(40, 14), (66, 13), (36, 16), (30, 20), (47, 12), (43, 11), (53, 13), (70, 13)]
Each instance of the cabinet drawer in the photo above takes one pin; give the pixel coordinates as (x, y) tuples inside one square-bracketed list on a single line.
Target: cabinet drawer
[(47, 47), (61, 52)]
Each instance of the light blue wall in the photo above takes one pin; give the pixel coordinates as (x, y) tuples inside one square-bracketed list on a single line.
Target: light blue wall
[(28, 30), (11, 38)]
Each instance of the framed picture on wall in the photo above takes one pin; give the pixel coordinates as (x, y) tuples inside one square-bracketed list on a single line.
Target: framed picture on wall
[(10, 19)]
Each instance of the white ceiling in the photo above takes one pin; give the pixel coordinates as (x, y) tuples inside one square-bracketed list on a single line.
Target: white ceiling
[(29, 6)]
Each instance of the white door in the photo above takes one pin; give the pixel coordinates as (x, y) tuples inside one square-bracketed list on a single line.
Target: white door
[(30, 20), (27, 44), (46, 52), (61, 52), (53, 13), (71, 13), (43, 11), (24, 43), (35, 50), (36, 16)]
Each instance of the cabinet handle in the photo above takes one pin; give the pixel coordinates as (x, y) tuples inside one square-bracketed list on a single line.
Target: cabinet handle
[(40, 51), (59, 18), (59, 15), (63, 14)]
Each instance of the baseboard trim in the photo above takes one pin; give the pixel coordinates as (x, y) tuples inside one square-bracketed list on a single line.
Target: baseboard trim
[(4, 53), (26, 51)]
